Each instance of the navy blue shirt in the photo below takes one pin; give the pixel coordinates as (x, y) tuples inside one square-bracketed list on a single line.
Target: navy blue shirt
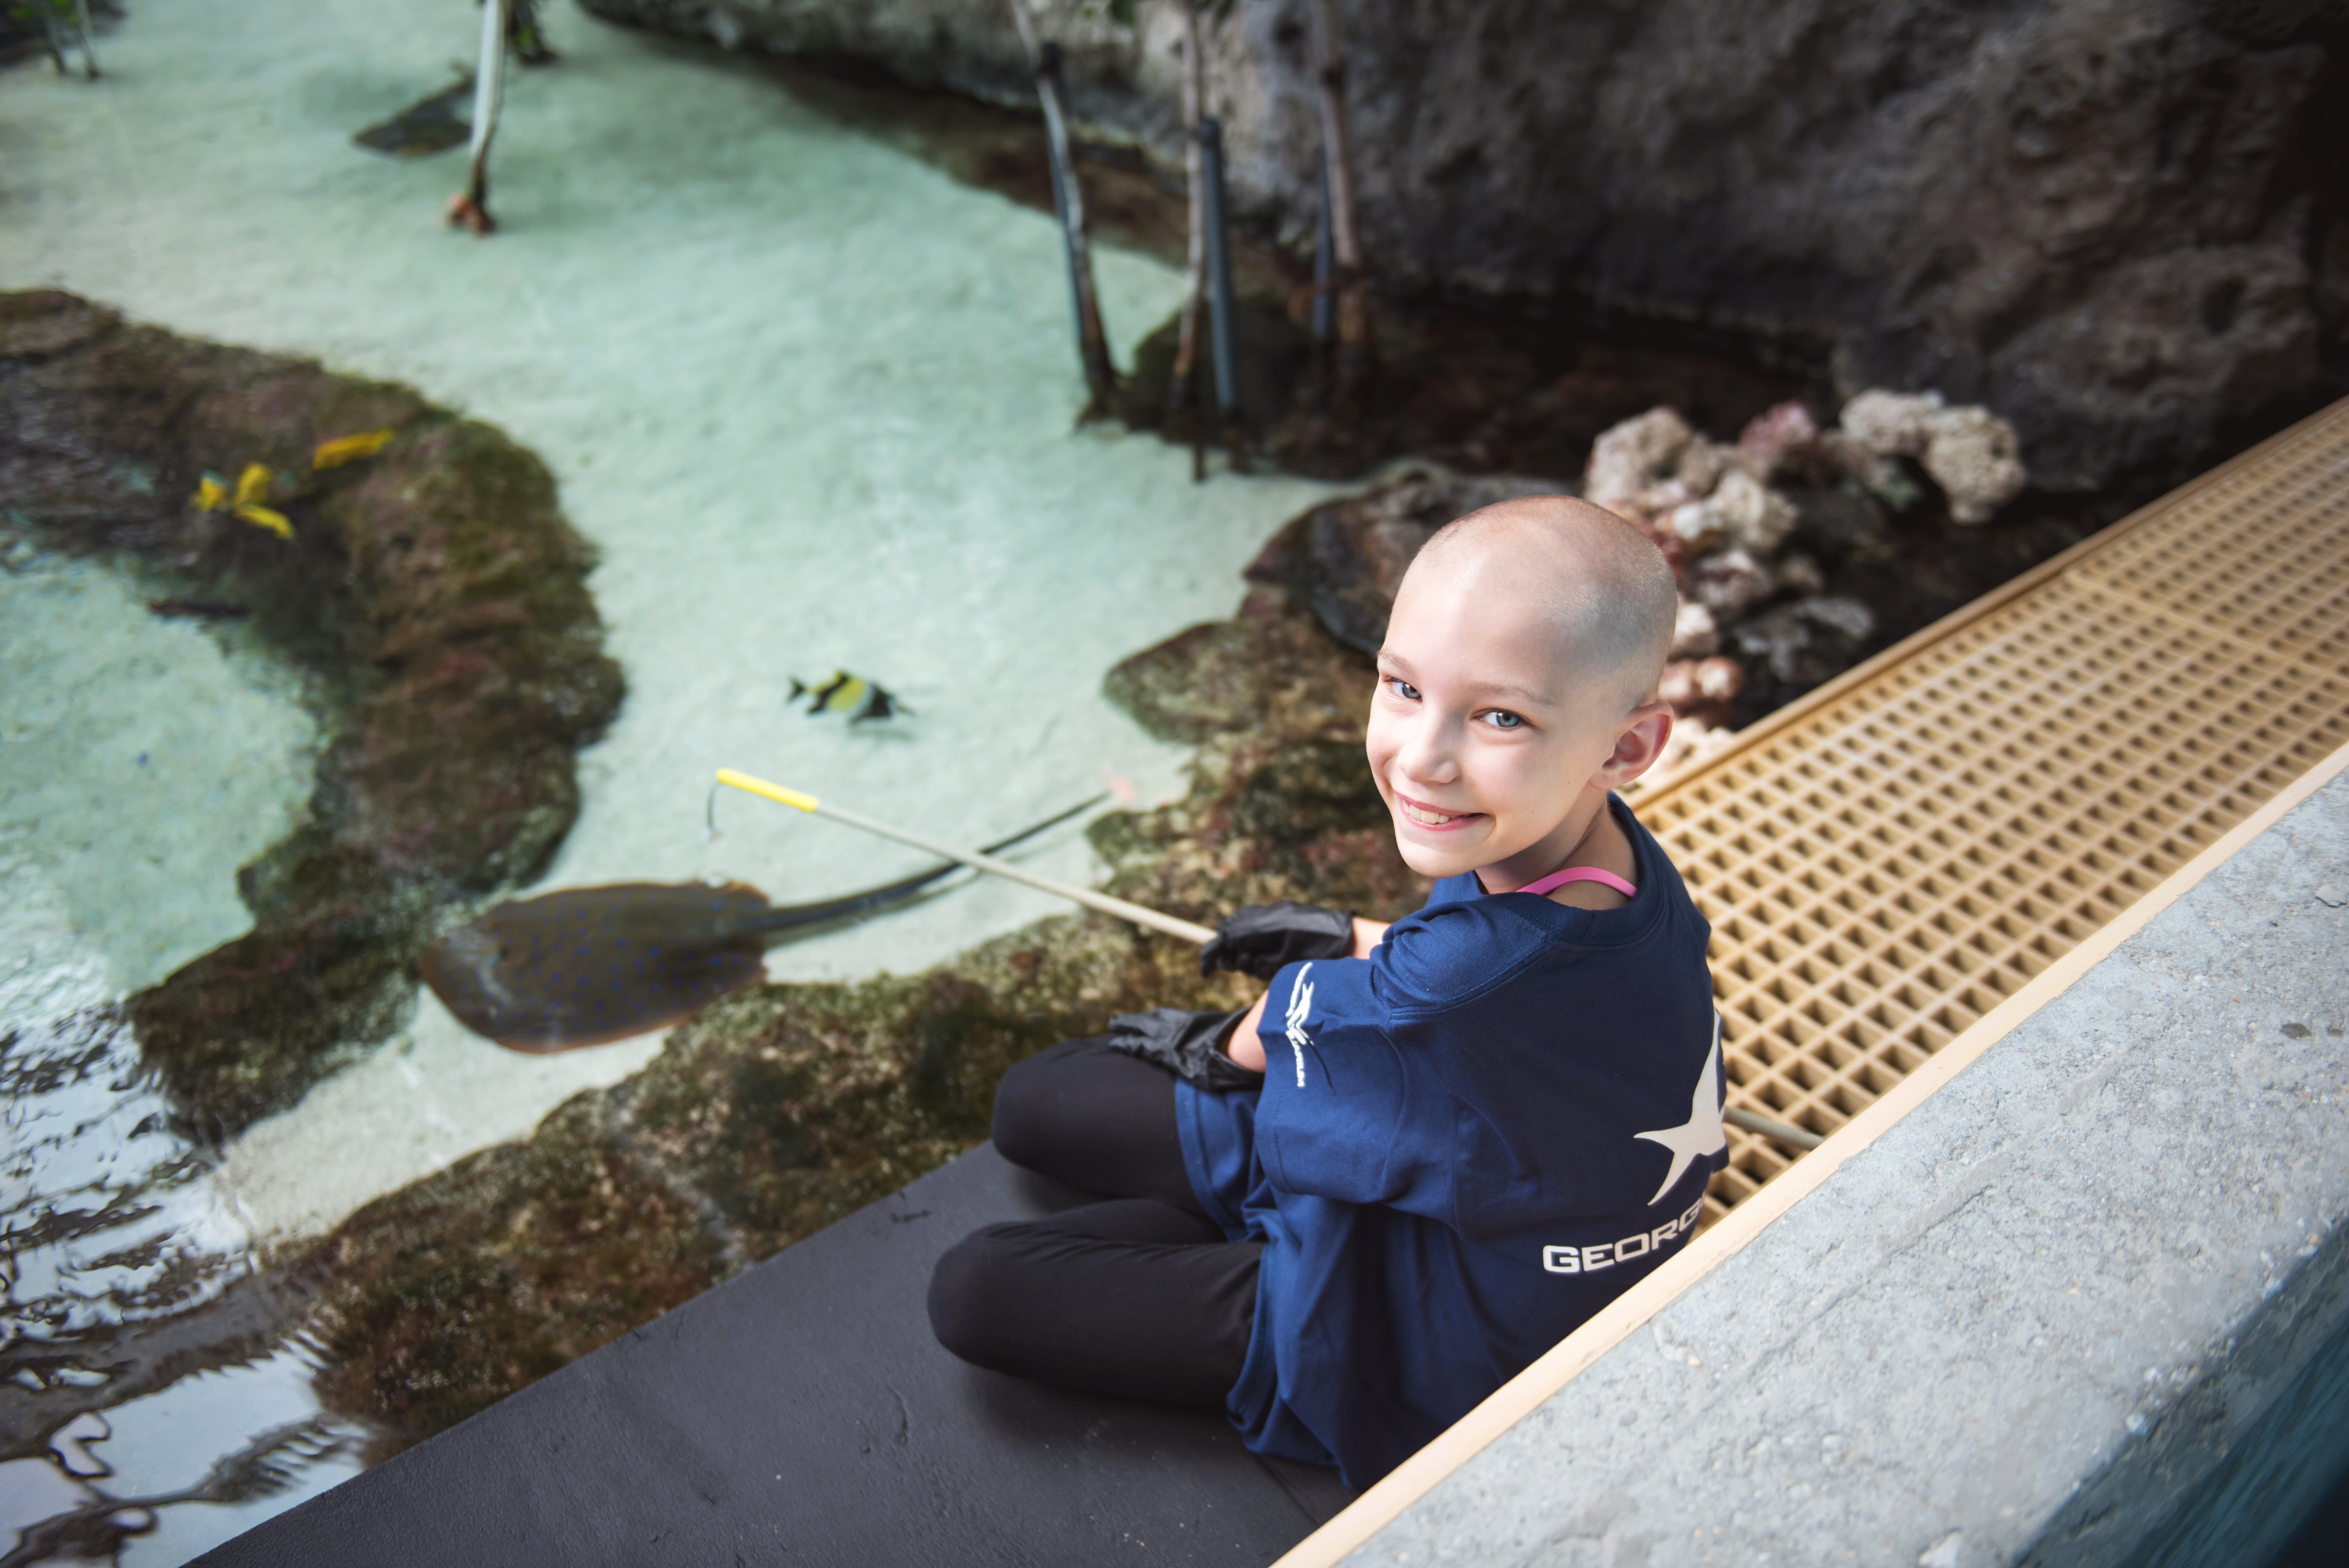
[(1465, 1144)]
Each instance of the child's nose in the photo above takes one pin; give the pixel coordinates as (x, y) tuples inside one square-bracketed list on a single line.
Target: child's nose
[(1427, 755)]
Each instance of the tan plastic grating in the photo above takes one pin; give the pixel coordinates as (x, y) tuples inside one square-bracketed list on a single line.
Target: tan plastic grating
[(1889, 858)]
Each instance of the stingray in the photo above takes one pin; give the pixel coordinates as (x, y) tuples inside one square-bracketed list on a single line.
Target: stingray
[(587, 965), (431, 125)]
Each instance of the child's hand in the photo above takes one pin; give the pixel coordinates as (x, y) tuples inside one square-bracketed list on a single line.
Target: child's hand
[(1258, 940)]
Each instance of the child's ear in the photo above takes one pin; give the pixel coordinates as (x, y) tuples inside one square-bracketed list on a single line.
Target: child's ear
[(1638, 744)]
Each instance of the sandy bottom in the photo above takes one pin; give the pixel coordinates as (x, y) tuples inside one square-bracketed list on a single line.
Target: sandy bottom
[(813, 401)]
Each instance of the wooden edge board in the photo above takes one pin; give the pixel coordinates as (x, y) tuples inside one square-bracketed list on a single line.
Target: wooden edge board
[(1879, 665), (1418, 1475)]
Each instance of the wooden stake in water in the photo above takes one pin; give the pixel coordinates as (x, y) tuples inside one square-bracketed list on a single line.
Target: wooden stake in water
[(1346, 234), (1219, 272), (1183, 384), (1069, 203), (472, 209), (1119, 907)]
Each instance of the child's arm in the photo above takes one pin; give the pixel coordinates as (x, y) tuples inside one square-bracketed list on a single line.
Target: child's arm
[(1245, 1049)]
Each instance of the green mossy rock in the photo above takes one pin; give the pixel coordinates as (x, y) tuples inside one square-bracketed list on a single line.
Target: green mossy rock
[(432, 590)]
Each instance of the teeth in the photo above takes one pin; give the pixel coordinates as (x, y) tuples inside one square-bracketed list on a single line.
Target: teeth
[(1433, 819)]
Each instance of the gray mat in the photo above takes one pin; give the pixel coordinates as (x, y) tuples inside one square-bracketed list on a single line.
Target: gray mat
[(802, 1413)]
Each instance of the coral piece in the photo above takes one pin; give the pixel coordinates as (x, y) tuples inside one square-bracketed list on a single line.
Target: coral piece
[(1730, 583), (1849, 616), (1700, 690), (1699, 525), (1695, 631), (1782, 438), (1702, 465), (1627, 459), (1973, 456), (1891, 424), (1799, 573), (1971, 452), (1719, 679), (1753, 515)]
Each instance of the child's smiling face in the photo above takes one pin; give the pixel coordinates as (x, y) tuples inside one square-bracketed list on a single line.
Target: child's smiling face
[(1498, 726)]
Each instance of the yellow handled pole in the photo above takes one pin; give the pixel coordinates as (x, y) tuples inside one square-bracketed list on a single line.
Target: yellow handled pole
[(1086, 896)]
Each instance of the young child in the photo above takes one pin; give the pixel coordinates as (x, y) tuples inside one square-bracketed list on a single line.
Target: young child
[(1431, 1149)]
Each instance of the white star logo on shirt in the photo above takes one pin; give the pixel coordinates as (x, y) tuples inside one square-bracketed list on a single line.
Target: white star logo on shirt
[(1300, 1003), (1701, 1133)]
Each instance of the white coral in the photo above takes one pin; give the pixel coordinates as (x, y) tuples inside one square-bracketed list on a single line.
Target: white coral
[(1751, 513), (1973, 456), (1695, 631), (1730, 584), (1628, 458), (1971, 452), (1891, 424)]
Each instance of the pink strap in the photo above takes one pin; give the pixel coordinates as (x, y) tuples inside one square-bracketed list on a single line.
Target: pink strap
[(1580, 874)]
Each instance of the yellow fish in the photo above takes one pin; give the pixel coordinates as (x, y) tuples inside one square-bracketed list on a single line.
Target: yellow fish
[(857, 697), (342, 449), (251, 486), (263, 517)]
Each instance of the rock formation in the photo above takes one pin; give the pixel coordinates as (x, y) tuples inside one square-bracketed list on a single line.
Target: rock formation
[(2116, 222)]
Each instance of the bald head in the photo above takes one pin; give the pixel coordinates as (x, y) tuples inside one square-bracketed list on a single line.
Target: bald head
[(1601, 583)]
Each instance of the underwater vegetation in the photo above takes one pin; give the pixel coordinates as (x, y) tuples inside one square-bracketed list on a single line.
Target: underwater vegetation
[(413, 563)]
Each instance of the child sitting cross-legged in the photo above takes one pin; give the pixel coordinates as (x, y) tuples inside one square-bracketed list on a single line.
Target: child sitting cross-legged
[(1431, 1149)]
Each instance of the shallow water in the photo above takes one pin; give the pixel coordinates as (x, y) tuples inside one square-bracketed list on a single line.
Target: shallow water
[(814, 402), (141, 762)]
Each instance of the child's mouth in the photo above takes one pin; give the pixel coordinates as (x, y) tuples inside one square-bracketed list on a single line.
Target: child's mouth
[(1429, 816)]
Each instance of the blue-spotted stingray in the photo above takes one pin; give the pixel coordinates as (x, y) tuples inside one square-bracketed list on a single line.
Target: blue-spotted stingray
[(587, 965)]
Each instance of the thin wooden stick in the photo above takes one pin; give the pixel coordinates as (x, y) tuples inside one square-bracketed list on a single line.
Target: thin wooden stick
[(1784, 1132), (1181, 385), (1117, 906)]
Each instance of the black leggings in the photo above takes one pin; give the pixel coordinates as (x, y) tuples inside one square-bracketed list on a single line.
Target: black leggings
[(1139, 1297)]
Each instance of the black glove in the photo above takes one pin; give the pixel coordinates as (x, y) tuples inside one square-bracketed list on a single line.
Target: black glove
[(1262, 938), (1189, 1043)]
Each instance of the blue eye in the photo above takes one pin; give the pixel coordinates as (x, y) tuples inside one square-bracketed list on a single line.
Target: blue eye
[(1504, 719), (1402, 688)]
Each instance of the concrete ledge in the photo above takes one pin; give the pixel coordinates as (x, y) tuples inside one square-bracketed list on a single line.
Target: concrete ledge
[(2052, 1295)]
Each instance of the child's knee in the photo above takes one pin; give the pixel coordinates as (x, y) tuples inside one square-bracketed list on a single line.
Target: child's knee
[(1028, 1110), (972, 1292)]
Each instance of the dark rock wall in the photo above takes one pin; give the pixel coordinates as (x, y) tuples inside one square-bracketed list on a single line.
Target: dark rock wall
[(2118, 223)]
